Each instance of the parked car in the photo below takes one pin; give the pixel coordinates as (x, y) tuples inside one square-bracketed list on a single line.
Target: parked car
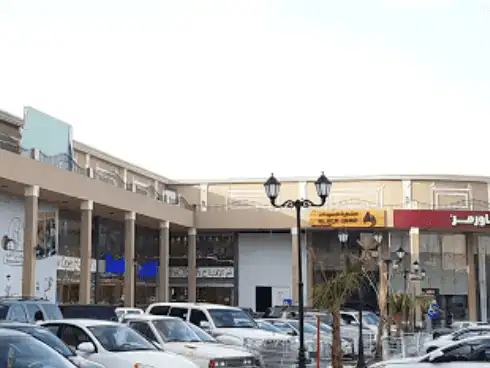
[(89, 311), (291, 327), (18, 349), (226, 324), (458, 335), (28, 310), (122, 311), (232, 326), (50, 339), (370, 320), (174, 335), (113, 344), (470, 352), (327, 330), (347, 331), (267, 326)]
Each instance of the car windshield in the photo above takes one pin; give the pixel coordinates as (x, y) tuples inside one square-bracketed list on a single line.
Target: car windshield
[(120, 338), (309, 329), (263, 325), (17, 351), (175, 330), (203, 335), (231, 318), (371, 318), (323, 327), (48, 338)]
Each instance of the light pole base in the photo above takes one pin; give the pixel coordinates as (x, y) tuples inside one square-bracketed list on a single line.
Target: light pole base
[(302, 358)]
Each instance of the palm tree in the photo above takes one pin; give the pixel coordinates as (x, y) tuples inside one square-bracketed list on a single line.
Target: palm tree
[(331, 295), (404, 306)]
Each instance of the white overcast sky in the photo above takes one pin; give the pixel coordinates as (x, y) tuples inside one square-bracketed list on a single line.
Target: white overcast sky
[(241, 88)]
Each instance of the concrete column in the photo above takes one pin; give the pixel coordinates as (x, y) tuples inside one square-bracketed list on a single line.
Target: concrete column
[(471, 244), (31, 208), (164, 246), (191, 266), (483, 245), (129, 274), (384, 252), (294, 265), (85, 291), (415, 256)]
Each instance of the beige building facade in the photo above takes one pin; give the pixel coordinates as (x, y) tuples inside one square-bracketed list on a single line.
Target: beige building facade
[(178, 221)]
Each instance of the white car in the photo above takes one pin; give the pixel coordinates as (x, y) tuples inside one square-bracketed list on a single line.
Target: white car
[(232, 326), (468, 353), (458, 335), (113, 345), (369, 319), (174, 335), (228, 325), (122, 311)]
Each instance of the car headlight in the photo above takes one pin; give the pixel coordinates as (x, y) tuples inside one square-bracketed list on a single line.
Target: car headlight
[(142, 365)]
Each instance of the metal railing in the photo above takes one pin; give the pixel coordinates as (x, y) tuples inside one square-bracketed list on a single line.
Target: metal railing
[(68, 163), (405, 345), (274, 353)]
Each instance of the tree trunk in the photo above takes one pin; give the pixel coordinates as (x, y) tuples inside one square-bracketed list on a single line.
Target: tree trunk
[(382, 301), (336, 344)]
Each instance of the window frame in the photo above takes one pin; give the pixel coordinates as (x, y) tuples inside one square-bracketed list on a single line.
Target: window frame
[(63, 327), (150, 329), (197, 310), (184, 318)]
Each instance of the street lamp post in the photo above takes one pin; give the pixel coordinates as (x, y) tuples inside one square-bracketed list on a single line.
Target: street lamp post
[(272, 188)]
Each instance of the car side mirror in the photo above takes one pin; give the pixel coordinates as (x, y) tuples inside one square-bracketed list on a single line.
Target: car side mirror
[(436, 354), (292, 333), (86, 347), (205, 325)]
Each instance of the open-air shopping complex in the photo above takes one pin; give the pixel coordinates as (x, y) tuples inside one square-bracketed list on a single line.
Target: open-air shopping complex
[(78, 224)]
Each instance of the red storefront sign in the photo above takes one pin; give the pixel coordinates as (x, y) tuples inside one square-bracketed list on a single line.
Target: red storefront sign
[(441, 219)]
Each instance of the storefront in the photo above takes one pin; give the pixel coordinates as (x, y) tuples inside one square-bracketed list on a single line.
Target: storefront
[(452, 246), (217, 268), (328, 255)]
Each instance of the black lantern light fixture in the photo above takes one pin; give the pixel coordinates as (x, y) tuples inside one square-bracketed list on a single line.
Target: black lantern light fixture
[(272, 189)]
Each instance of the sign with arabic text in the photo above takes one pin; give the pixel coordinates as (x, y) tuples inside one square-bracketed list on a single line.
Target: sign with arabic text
[(441, 219), (203, 272), (348, 218)]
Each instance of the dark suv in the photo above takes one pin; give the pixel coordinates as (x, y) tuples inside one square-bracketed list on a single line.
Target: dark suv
[(89, 311), (25, 310)]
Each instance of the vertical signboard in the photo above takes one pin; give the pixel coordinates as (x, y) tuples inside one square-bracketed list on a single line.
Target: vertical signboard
[(12, 248)]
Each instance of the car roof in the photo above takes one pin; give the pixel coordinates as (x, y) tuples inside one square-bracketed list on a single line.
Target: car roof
[(468, 339), (7, 324), (474, 328), (146, 317), (82, 322), (5, 300), (189, 305), (87, 306), (10, 332)]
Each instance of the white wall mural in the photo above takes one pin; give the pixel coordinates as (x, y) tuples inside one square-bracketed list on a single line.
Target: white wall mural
[(11, 249)]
